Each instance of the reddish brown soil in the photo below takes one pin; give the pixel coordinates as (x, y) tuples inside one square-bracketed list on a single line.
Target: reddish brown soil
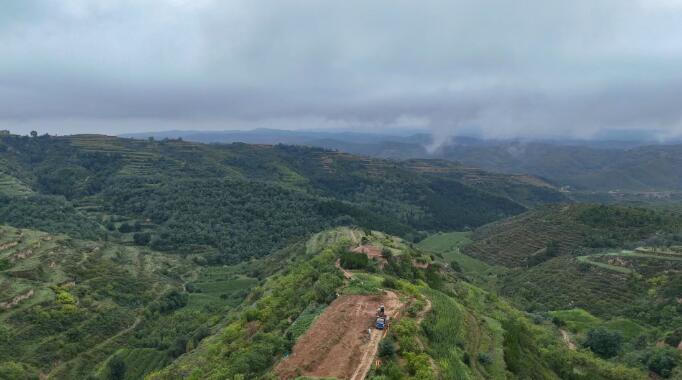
[(369, 250), (372, 252), (338, 345)]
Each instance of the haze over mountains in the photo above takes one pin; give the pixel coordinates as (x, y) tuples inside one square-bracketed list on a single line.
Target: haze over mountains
[(626, 165), (421, 190)]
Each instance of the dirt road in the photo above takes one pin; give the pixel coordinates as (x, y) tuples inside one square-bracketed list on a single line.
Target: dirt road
[(346, 274), (567, 339), (338, 344)]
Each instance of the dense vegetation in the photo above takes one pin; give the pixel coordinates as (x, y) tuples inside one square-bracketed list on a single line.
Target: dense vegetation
[(469, 334), (166, 259), (237, 201), (589, 166), (608, 275)]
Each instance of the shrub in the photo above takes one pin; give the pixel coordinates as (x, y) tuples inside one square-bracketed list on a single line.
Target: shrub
[(352, 260), (662, 361), (466, 358), (125, 228), (484, 358), (418, 365), (558, 321), (389, 282), (674, 338), (142, 238), (455, 266), (387, 348), (116, 368), (604, 342)]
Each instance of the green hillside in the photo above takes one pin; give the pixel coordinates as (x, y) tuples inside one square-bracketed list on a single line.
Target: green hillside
[(468, 333), (538, 235), (236, 201), (589, 267), (128, 259)]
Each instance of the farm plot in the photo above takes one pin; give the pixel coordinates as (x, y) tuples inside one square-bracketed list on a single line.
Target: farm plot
[(640, 261), (219, 286), (338, 344)]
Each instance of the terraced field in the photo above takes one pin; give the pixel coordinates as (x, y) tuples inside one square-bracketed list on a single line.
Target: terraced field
[(642, 261), (219, 286), (138, 159), (561, 283), (85, 297), (510, 242), (12, 186)]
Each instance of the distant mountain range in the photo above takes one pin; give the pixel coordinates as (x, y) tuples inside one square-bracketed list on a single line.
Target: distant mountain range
[(577, 165)]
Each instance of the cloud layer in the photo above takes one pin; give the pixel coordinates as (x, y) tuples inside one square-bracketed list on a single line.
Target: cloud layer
[(498, 68)]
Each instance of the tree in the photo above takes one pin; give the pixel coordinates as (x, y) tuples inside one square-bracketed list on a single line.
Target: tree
[(141, 238), (603, 342), (387, 348), (455, 266), (117, 368), (125, 228), (34, 134)]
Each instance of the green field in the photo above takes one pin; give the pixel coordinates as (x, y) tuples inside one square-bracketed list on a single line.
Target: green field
[(447, 246), (665, 256), (579, 321), (445, 242), (219, 286), (11, 186)]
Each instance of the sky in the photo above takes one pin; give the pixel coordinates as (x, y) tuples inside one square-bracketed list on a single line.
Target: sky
[(494, 68)]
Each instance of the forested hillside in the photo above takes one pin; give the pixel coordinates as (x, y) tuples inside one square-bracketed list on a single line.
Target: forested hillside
[(584, 165), (237, 201), (607, 271), (128, 259)]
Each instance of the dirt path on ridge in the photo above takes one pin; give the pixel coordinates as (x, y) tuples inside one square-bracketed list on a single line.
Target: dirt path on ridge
[(348, 275), (338, 344), (567, 339)]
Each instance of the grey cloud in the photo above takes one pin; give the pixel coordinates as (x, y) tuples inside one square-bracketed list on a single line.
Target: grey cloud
[(501, 68)]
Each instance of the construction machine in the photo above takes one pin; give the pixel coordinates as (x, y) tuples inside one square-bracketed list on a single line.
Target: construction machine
[(382, 319)]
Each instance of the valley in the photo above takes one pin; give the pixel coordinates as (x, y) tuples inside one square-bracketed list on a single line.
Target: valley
[(127, 259), (340, 190)]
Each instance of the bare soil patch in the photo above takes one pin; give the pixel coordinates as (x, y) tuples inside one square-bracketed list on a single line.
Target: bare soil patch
[(338, 344), (372, 252), (369, 250)]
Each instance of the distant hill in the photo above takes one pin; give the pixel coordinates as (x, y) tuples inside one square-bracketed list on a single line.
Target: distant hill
[(237, 201), (579, 165)]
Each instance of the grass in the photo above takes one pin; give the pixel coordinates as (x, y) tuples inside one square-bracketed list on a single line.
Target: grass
[(577, 320), (623, 253), (445, 242), (447, 246), (580, 321), (616, 268), (219, 286), (12, 186), (363, 283), (305, 320), (628, 328), (447, 333), (139, 362)]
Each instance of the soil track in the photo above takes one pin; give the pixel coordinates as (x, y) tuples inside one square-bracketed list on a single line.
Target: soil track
[(567, 339), (338, 345)]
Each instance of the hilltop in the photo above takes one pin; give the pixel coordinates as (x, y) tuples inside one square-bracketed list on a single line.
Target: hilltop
[(442, 327)]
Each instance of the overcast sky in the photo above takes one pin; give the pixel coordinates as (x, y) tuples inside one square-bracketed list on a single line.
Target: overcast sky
[(532, 68)]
